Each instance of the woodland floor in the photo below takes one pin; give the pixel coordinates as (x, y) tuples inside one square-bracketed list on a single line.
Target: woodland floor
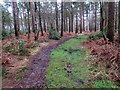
[(72, 66), (30, 74), (58, 64)]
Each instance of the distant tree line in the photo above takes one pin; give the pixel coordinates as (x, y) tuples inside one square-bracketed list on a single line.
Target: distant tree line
[(77, 17)]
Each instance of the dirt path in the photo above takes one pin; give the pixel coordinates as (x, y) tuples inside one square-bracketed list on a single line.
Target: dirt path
[(34, 77)]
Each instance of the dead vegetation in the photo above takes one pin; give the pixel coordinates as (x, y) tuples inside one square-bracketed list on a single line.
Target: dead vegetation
[(108, 55)]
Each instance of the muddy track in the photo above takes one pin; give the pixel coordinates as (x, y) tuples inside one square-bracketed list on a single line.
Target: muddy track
[(36, 69)]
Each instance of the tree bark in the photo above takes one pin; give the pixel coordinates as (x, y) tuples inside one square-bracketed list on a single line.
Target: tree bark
[(106, 15), (76, 31), (18, 21), (56, 10), (44, 21), (95, 15), (35, 3), (116, 17), (22, 21), (66, 20), (72, 16), (110, 32), (119, 24), (101, 16), (69, 23), (24, 17), (34, 25), (15, 18), (40, 22), (28, 10), (81, 17), (62, 18)]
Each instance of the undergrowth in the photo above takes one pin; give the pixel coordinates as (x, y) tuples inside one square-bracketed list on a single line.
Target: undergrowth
[(96, 36), (99, 34), (19, 71), (17, 48), (32, 45), (53, 34), (108, 55), (5, 72)]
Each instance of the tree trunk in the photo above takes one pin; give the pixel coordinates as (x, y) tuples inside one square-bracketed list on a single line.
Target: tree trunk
[(62, 18), (28, 10), (83, 23), (101, 16), (18, 21), (72, 19), (22, 21), (89, 16), (40, 22), (106, 14), (119, 24), (33, 11), (81, 17), (15, 18), (110, 32), (116, 17), (56, 10), (76, 31), (35, 3), (44, 21), (69, 24), (71, 14), (24, 18), (95, 15), (66, 24)]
